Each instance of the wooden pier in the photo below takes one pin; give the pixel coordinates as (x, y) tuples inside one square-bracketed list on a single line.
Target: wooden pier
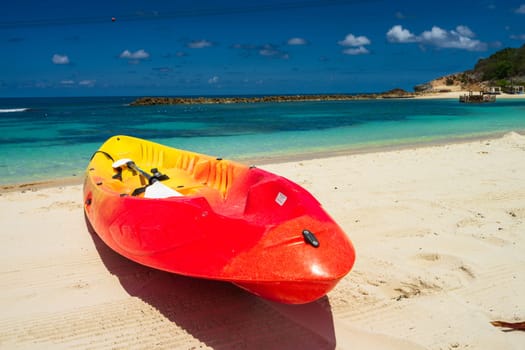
[(477, 98)]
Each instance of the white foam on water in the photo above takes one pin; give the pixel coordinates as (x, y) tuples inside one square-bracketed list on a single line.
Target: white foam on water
[(13, 110)]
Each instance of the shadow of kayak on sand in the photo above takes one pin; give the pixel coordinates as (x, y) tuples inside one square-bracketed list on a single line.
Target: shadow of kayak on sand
[(218, 314)]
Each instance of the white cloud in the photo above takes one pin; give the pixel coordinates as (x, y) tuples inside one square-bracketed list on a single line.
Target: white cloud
[(246, 47), (213, 80), (355, 44), (266, 50), (361, 50), (352, 40), (41, 84), (88, 83), (60, 59), (199, 44), (70, 82), (397, 34), (434, 35), (518, 37), (400, 15), (460, 38), (297, 41), (465, 31), (137, 55), (521, 9), (270, 50)]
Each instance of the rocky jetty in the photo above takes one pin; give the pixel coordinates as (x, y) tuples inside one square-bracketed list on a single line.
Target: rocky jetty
[(149, 101), (396, 93)]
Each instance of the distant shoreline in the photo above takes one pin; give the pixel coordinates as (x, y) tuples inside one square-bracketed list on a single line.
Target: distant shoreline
[(392, 94)]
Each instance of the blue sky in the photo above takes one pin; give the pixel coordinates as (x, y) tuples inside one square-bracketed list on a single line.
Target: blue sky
[(162, 47)]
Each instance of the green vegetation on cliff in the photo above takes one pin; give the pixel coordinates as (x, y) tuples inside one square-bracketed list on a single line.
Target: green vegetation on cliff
[(506, 64), (504, 68)]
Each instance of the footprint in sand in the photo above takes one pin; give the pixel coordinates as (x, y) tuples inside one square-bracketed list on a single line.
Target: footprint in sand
[(70, 205)]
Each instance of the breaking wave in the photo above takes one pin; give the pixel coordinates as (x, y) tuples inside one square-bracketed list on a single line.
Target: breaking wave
[(13, 110)]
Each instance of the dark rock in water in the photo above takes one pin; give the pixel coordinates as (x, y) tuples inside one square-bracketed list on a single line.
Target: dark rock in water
[(397, 93)]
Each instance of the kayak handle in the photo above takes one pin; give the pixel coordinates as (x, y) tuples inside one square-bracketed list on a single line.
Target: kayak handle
[(310, 238)]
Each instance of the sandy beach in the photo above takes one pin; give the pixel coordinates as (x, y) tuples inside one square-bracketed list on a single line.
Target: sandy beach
[(456, 93), (439, 233)]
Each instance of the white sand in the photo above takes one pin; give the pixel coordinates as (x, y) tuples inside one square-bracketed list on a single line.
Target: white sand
[(456, 94), (440, 239)]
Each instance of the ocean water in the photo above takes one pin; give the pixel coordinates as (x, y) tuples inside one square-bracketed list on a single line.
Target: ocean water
[(47, 138)]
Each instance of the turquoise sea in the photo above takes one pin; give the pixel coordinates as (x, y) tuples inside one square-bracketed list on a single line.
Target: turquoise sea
[(48, 138)]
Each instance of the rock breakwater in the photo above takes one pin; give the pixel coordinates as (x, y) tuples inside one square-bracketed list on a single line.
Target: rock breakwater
[(149, 101)]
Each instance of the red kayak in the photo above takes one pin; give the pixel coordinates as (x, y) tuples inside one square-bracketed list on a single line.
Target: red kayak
[(206, 217)]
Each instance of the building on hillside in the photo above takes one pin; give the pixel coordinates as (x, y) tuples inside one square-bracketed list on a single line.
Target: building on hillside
[(515, 89)]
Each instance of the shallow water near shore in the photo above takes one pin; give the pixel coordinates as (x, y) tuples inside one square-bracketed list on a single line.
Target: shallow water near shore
[(46, 138)]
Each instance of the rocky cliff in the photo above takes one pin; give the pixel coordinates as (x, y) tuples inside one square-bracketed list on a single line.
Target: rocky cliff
[(503, 68)]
